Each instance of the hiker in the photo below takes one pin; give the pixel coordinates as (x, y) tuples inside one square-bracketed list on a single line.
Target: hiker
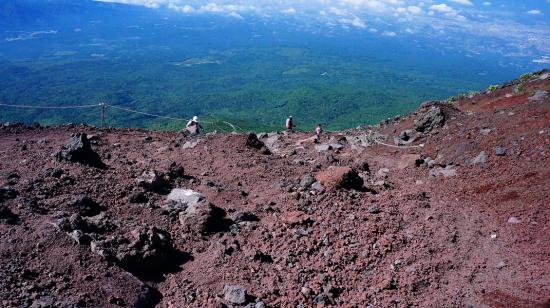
[(289, 123), (318, 130), (193, 126)]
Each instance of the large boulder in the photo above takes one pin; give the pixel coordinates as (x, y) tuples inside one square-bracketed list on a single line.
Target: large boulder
[(146, 250), (430, 117), (153, 181), (446, 172), (339, 177), (86, 206), (8, 193), (234, 294), (323, 147), (175, 171), (7, 216), (79, 150), (538, 96), (252, 141), (307, 181), (95, 224), (204, 218), (185, 196)]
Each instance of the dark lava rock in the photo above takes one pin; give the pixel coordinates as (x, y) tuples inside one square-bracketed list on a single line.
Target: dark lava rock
[(307, 181), (204, 218), (363, 166), (7, 216), (80, 237), (374, 209), (153, 181), (234, 294), (98, 224), (175, 171), (29, 204), (329, 158), (12, 178), (95, 224), (429, 118), (148, 250), (500, 151), (86, 206), (406, 134), (262, 257), (8, 193), (479, 159), (79, 150), (244, 216), (54, 172), (252, 141), (69, 224), (137, 197), (339, 177)]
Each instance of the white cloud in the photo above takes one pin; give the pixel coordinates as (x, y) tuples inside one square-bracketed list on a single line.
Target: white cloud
[(356, 22), (414, 9), (337, 11), (463, 2), (446, 11), (442, 8), (444, 17), (183, 9), (290, 10)]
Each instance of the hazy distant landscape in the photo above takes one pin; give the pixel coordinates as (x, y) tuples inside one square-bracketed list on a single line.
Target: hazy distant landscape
[(250, 71)]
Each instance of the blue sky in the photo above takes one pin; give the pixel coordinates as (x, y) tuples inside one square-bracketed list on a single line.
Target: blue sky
[(357, 12), (525, 24)]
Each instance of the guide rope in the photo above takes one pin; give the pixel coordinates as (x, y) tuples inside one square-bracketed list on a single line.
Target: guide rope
[(102, 105), (146, 113), (50, 107), (399, 146)]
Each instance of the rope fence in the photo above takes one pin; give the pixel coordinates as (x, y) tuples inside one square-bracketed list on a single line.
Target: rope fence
[(104, 106), (213, 124), (51, 107)]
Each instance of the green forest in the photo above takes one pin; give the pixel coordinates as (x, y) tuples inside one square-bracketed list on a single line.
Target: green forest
[(255, 89)]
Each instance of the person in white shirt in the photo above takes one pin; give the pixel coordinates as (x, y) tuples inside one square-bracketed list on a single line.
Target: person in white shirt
[(193, 126), (289, 123)]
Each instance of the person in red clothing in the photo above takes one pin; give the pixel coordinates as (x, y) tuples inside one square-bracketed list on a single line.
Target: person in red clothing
[(289, 123)]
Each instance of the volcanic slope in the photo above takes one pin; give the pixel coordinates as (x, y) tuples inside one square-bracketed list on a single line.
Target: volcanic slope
[(447, 206)]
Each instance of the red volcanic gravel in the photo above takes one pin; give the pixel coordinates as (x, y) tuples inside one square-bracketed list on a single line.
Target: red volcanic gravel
[(438, 225)]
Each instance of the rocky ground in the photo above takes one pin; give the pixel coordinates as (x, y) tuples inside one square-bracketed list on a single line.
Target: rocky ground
[(448, 206)]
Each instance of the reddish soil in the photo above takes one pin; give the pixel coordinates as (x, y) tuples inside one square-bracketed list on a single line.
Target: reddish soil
[(477, 236)]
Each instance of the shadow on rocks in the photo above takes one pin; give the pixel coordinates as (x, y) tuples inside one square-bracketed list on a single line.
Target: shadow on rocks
[(79, 150), (205, 218), (218, 221), (8, 216), (147, 252), (172, 265)]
